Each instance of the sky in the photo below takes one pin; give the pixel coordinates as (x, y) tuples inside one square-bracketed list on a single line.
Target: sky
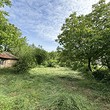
[(41, 20)]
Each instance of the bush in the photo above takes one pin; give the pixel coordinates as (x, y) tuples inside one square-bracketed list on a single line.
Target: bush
[(51, 63), (78, 66), (40, 56), (102, 75), (24, 63)]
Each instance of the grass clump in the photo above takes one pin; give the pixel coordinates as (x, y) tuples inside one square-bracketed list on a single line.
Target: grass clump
[(62, 101)]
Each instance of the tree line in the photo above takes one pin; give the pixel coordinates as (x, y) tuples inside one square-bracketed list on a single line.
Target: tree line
[(11, 40), (84, 40)]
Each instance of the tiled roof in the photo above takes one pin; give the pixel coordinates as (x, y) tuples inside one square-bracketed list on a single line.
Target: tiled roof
[(7, 55)]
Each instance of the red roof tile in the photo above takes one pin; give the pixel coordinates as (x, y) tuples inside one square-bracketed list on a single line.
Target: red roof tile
[(7, 55)]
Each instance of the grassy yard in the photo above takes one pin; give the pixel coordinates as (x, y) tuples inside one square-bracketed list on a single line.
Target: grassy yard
[(51, 89)]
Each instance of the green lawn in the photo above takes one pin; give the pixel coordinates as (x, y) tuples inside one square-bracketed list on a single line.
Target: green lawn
[(51, 89)]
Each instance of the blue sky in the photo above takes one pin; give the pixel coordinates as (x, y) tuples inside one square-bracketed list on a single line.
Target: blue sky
[(41, 20)]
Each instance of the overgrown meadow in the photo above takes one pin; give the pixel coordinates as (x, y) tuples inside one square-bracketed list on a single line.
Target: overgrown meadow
[(52, 89)]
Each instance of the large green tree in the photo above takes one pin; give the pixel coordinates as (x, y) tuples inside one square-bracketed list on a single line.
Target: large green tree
[(101, 23), (86, 39), (10, 35)]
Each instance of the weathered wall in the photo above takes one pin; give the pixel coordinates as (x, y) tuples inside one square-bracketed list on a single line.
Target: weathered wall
[(7, 63)]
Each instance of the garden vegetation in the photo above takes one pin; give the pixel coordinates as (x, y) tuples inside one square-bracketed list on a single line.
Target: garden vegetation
[(75, 77)]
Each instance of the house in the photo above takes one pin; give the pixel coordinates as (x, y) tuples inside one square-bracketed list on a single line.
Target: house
[(7, 60)]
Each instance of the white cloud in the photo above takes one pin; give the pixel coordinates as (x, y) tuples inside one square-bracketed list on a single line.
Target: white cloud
[(44, 18)]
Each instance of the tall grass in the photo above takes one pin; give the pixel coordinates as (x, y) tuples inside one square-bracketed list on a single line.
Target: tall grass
[(51, 89)]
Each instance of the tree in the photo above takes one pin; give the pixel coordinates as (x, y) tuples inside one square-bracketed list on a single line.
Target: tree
[(3, 20), (5, 3), (101, 20), (27, 60), (75, 39), (40, 55), (10, 35), (52, 60), (84, 38)]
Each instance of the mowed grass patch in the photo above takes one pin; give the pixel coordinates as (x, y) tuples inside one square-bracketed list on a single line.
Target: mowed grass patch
[(51, 89)]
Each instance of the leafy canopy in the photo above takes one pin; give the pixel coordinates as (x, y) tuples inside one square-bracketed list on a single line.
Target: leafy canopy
[(86, 38)]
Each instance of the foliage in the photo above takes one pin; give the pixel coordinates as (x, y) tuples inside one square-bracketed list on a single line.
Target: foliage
[(40, 55), (26, 59), (86, 38), (5, 2), (10, 35), (52, 60), (101, 16), (102, 75), (51, 63)]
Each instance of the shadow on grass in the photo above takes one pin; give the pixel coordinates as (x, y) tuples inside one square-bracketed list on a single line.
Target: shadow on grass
[(68, 78), (6, 71), (48, 82), (84, 83), (91, 88)]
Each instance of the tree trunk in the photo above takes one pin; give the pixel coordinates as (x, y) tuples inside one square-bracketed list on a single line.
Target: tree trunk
[(89, 64)]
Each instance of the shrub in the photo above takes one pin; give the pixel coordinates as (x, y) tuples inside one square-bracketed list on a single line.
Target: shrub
[(40, 56), (51, 63), (101, 75), (24, 63)]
